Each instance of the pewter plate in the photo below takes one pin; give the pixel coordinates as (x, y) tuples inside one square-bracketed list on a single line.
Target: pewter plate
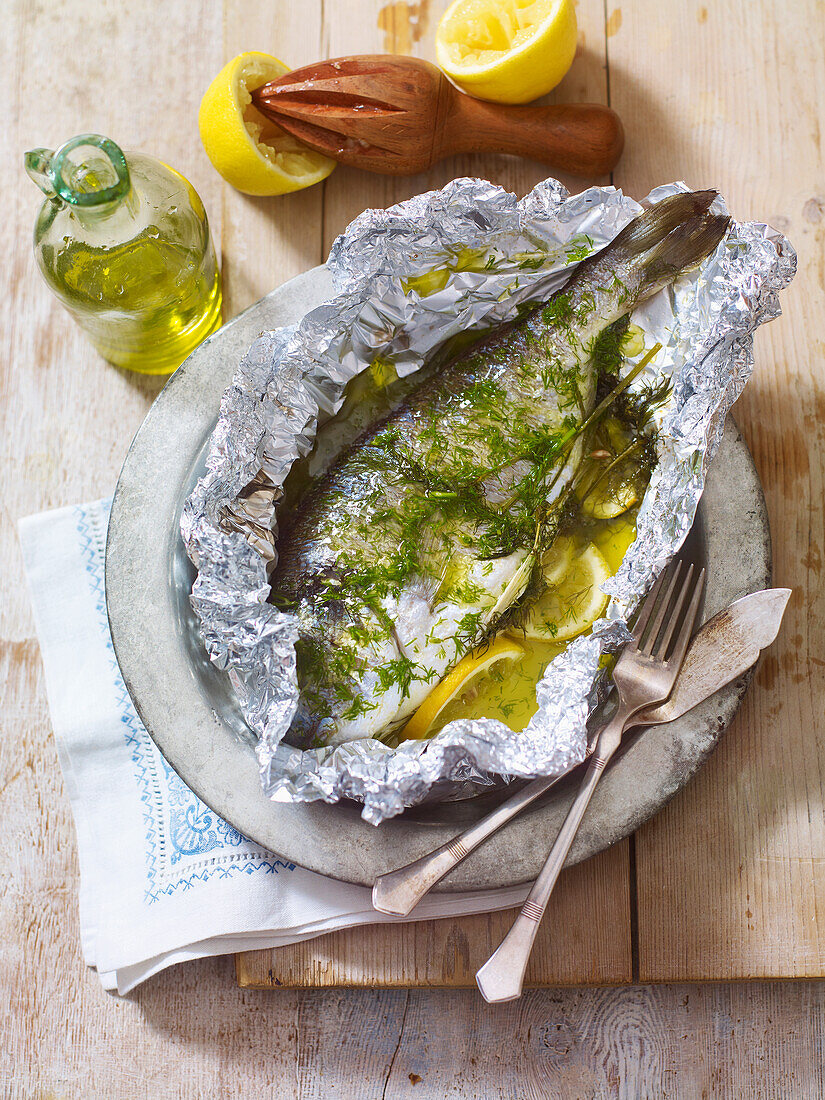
[(189, 710)]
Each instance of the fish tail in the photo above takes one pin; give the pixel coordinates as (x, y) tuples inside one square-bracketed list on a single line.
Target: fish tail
[(683, 248), (658, 220), (668, 238)]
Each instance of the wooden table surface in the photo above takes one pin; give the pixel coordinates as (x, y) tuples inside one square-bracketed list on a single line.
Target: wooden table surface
[(727, 882)]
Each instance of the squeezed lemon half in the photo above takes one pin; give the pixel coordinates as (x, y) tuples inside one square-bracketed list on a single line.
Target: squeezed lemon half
[(507, 51), (253, 154), (568, 607), (462, 678)]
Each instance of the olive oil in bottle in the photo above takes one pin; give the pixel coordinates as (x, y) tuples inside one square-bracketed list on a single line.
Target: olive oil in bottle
[(124, 244)]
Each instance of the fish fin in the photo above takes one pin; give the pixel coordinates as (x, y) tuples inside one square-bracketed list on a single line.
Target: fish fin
[(684, 247), (660, 219)]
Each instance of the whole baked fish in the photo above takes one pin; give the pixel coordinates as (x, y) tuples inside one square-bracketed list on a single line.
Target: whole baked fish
[(423, 531)]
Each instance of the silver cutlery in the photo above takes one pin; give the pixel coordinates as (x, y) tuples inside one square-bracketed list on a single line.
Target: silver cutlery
[(643, 675), (725, 647)]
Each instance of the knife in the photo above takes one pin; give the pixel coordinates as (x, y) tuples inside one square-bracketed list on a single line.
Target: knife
[(725, 647)]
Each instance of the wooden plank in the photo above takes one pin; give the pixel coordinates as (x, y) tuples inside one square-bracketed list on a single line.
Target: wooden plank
[(730, 879), (666, 1041), (584, 939), (587, 938), (266, 241), (188, 1035)]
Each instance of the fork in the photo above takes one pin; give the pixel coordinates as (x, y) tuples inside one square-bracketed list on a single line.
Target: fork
[(398, 892), (643, 675)]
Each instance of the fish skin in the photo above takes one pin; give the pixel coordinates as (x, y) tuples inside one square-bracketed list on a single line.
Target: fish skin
[(390, 583)]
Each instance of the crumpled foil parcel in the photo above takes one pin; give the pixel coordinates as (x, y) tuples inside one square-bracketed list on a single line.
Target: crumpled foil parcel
[(292, 379)]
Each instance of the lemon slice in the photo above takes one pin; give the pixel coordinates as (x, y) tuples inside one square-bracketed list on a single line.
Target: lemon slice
[(468, 670), (608, 501), (571, 606), (633, 343), (250, 152), (557, 560), (508, 51)]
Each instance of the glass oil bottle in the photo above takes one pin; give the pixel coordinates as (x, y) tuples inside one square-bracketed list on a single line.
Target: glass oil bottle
[(123, 241)]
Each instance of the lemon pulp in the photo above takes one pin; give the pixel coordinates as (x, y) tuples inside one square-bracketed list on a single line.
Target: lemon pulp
[(507, 51), (495, 660), (572, 604), (252, 153)]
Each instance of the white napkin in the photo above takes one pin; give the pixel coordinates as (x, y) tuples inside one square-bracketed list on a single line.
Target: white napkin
[(163, 879)]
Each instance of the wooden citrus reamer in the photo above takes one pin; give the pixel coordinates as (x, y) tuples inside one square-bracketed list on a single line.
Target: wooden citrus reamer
[(400, 115)]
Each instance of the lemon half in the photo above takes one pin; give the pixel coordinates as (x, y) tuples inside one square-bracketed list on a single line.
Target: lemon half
[(468, 670), (568, 608), (253, 154), (507, 51)]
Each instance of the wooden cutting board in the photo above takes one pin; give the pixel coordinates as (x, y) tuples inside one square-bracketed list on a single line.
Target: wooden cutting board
[(585, 939)]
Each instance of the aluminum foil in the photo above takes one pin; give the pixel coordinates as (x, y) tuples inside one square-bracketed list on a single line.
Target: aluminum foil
[(498, 253)]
